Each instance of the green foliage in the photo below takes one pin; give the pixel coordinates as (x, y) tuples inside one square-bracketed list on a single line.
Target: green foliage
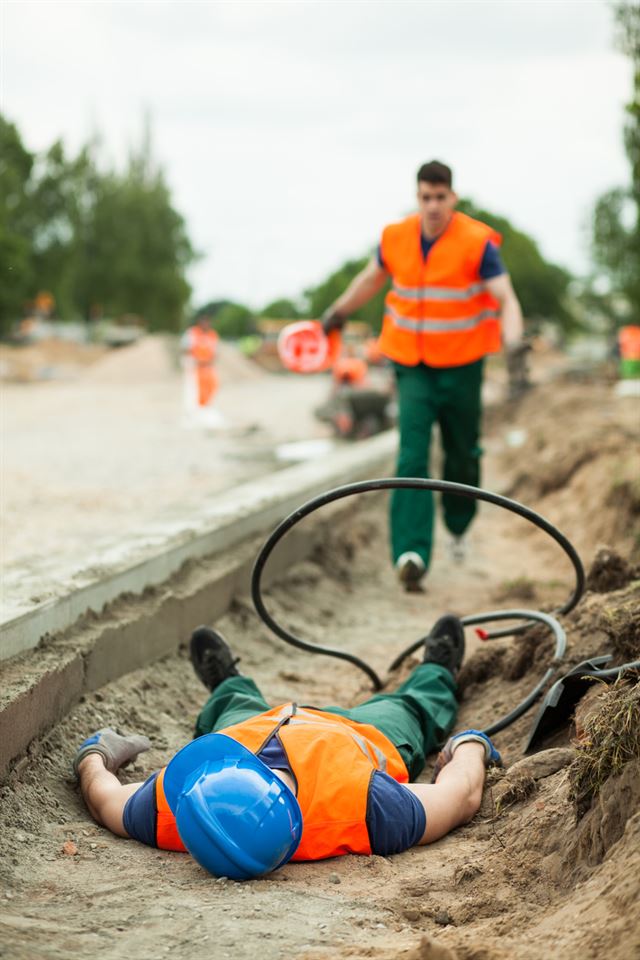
[(541, 286), (16, 221), (102, 242), (322, 296), (233, 320), (281, 310), (616, 215)]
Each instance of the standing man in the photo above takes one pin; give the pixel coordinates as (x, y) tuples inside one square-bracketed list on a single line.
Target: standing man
[(450, 304)]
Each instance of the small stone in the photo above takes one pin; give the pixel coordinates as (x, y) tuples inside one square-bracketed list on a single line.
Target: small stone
[(93, 845), (443, 918), (69, 849), (334, 878), (21, 837), (222, 879), (412, 914), (8, 895)]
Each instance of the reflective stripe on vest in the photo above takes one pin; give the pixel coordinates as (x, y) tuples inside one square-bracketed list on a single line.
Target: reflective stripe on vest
[(434, 325), (438, 311), (438, 293)]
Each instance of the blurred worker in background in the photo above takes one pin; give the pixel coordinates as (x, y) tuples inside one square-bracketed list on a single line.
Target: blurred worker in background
[(349, 370), (450, 304), (199, 345), (260, 786)]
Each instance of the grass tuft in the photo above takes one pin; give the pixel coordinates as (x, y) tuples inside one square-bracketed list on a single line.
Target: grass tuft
[(611, 739)]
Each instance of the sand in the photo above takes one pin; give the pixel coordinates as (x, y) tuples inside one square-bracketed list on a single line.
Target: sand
[(526, 882)]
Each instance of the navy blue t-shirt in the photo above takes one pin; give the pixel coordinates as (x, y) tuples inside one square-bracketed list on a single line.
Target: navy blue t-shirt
[(491, 264), (395, 817)]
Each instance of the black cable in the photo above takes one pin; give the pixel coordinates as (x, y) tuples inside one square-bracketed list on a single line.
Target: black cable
[(460, 489)]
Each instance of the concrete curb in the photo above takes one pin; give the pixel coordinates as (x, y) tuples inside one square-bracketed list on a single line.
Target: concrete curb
[(140, 612), (158, 553)]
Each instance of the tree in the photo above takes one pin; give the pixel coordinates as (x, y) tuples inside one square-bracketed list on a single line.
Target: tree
[(93, 237), (16, 223), (134, 247), (281, 310), (234, 320), (63, 197), (616, 216), (542, 287)]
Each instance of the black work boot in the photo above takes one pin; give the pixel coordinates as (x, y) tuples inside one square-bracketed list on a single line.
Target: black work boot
[(444, 643), (211, 657)]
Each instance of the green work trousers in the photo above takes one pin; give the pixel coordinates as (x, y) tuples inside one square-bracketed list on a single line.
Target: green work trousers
[(449, 396), (416, 718)]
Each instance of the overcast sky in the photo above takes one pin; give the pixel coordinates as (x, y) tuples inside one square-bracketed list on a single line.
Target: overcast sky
[(291, 132)]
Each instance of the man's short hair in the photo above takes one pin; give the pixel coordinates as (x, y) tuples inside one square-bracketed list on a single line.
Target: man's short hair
[(436, 172)]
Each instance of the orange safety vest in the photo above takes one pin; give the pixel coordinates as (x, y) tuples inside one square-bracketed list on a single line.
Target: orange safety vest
[(332, 760), (629, 342), (202, 344), (438, 310)]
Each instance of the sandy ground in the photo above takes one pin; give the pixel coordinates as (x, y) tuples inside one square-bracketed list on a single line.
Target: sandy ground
[(523, 880)]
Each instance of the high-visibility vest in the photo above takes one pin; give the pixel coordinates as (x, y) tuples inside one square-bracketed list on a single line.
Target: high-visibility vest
[(438, 310), (202, 344), (629, 342), (332, 760)]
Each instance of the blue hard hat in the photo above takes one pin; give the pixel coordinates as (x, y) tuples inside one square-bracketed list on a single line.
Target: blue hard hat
[(234, 815)]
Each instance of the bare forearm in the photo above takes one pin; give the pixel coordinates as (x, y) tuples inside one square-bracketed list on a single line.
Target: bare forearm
[(512, 322), (362, 288), (456, 795), (501, 288), (103, 793)]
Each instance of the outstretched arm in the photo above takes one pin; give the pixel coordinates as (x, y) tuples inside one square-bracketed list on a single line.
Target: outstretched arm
[(456, 795), (95, 765), (103, 793), (362, 288)]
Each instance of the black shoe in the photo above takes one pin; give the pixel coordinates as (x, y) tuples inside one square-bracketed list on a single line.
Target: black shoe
[(211, 657), (445, 643)]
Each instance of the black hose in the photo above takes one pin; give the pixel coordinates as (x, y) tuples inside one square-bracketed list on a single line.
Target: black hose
[(475, 493)]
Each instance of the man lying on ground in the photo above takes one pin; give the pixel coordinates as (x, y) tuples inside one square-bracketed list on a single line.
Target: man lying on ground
[(260, 786)]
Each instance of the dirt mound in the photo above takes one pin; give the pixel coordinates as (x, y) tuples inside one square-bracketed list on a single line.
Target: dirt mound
[(47, 359), (609, 571), (580, 464), (152, 358)]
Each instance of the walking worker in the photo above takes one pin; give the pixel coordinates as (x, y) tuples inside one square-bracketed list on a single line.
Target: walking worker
[(200, 344), (450, 304), (260, 786)]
